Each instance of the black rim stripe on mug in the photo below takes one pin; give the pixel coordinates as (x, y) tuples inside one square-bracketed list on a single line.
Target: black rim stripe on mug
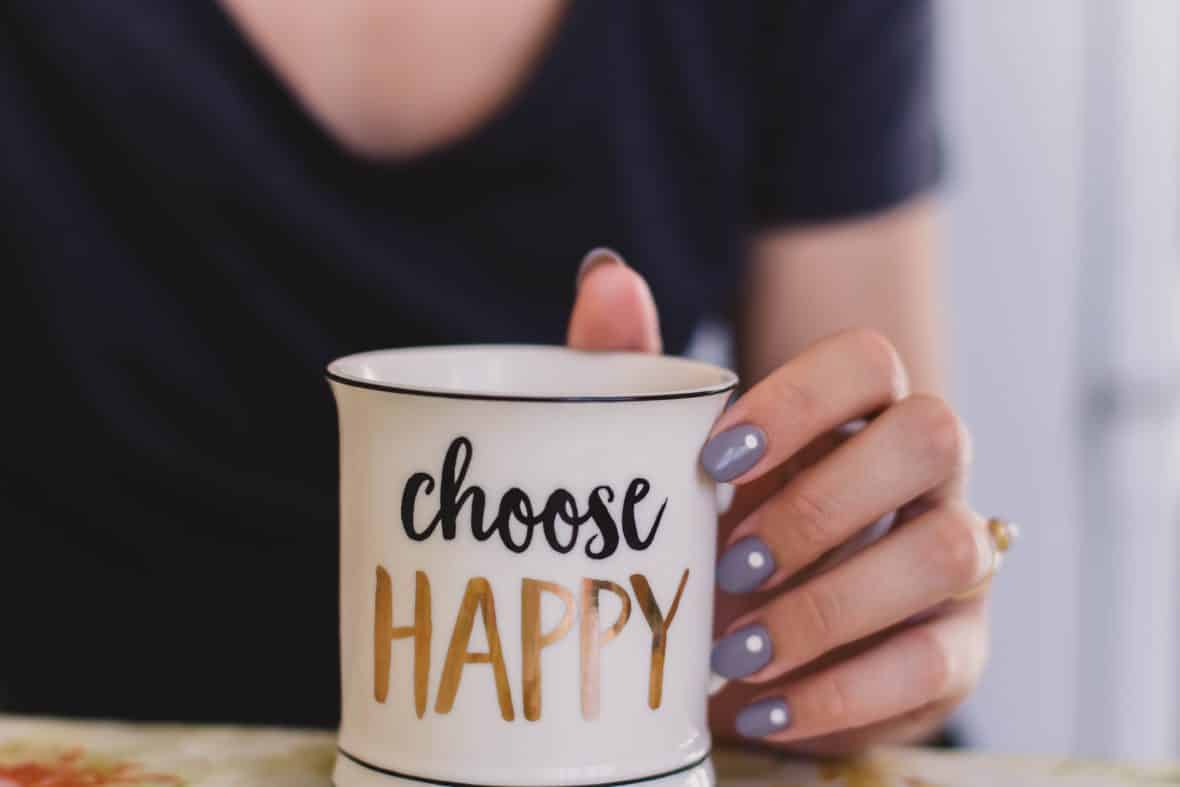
[(525, 398), (450, 783)]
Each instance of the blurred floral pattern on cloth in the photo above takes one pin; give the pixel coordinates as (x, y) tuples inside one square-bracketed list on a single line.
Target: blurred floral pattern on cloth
[(49, 753)]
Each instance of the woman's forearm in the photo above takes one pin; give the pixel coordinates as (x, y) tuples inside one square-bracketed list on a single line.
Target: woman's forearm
[(881, 272)]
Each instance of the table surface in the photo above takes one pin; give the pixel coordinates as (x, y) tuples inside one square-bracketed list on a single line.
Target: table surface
[(49, 753)]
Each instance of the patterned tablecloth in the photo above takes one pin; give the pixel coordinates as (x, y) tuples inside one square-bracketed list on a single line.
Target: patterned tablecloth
[(47, 753)]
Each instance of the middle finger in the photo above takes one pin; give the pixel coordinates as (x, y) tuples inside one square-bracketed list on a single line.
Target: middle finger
[(941, 553), (913, 447)]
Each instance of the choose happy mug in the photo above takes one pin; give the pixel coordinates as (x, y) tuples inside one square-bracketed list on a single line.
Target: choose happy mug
[(527, 552)]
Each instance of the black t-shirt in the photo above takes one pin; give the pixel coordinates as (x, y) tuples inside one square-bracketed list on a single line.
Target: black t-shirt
[(184, 250)]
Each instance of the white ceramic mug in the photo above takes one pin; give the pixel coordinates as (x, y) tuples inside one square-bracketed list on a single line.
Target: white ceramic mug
[(527, 553)]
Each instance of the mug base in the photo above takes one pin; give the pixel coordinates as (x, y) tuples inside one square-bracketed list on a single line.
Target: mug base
[(351, 774)]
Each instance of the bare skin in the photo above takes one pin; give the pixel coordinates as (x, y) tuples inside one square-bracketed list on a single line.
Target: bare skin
[(358, 66), (840, 322), (878, 648)]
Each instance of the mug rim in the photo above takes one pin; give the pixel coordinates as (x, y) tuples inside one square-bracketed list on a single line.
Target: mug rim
[(336, 371)]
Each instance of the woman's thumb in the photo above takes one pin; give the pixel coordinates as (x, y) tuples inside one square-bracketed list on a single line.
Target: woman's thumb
[(614, 308)]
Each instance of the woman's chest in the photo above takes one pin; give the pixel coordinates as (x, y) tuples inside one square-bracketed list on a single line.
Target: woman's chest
[(395, 79)]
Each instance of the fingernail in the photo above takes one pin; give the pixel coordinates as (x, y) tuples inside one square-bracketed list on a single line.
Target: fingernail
[(744, 566), (732, 452), (762, 718), (742, 653), (852, 427), (595, 257)]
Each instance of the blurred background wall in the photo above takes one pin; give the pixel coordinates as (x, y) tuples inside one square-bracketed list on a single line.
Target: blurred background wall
[(1064, 212)]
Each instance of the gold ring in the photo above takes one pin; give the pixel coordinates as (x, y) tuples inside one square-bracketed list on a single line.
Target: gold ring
[(1003, 535)]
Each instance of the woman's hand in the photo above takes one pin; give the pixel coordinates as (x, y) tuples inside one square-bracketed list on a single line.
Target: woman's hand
[(874, 648), (829, 655)]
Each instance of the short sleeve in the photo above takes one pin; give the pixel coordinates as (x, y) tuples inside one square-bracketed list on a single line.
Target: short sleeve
[(845, 113)]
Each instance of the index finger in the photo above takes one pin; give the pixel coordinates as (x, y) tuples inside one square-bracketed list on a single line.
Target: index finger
[(837, 379)]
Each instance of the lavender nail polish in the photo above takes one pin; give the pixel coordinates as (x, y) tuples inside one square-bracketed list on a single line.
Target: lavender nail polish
[(852, 427), (762, 718), (744, 566), (742, 653), (595, 257), (732, 452)]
